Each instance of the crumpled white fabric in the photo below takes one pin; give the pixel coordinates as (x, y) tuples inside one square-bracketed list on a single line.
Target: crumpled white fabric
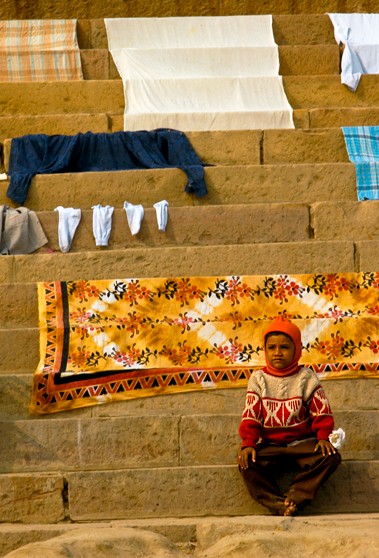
[(102, 223), (161, 209), (337, 438), (359, 34), (69, 219), (134, 214)]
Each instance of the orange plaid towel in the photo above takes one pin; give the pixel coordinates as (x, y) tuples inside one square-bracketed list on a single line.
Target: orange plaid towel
[(39, 50)]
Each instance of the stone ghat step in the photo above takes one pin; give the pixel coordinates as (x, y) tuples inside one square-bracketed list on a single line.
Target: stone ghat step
[(171, 8), (294, 29), (345, 395), (246, 259), (71, 124), (254, 147), (307, 183), (268, 147), (106, 96), (96, 444), (160, 492), (226, 225), (294, 60), (329, 534)]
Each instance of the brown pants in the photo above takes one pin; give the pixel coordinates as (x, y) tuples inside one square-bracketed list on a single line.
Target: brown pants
[(271, 460)]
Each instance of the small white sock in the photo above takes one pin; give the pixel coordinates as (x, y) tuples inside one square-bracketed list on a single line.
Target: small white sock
[(161, 209), (134, 214), (102, 223), (69, 219)]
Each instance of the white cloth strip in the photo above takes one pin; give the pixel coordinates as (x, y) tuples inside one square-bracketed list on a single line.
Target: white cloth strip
[(211, 104), (134, 215), (359, 34), (222, 70), (161, 209), (69, 219), (197, 62), (102, 223), (187, 32)]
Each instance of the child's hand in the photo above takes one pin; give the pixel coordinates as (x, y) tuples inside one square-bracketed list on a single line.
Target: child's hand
[(326, 447), (243, 457)]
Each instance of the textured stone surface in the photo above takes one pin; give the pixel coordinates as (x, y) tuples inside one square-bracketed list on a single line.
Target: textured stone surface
[(304, 146), (70, 124), (192, 226), (83, 444), (309, 60), (327, 92), (227, 185), (368, 255), (335, 117), (19, 349), (18, 306), (15, 391), (33, 98), (204, 537), (346, 220), (33, 498), (95, 64), (144, 8), (201, 491), (291, 257)]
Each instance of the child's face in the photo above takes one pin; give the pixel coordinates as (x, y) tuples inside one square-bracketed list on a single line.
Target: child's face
[(280, 350)]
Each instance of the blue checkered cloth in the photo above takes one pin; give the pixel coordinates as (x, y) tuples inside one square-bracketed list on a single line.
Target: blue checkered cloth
[(362, 144)]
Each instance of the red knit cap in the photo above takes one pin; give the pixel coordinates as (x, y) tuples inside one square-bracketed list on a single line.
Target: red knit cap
[(281, 324)]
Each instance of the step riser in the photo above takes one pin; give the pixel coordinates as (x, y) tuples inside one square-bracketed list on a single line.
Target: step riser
[(171, 492), (15, 393), (253, 259), (194, 226), (228, 185), (276, 147), (71, 124), (103, 96), (207, 226), (118, 443)]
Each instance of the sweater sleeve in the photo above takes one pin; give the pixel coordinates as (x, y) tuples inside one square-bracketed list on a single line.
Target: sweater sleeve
[(321, 414), (252, 418)]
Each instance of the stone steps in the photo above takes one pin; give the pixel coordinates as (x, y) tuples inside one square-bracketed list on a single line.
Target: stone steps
[(314, 256), (265, 147), (227, 185), (196, 491), (235, 225), (71, 444), (15, 392), (204, 535)]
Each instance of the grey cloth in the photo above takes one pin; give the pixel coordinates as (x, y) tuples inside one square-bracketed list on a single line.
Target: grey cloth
[(20, 231)]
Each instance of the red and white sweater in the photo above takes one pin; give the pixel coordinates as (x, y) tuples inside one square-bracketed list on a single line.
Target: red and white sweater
[(283, 409)]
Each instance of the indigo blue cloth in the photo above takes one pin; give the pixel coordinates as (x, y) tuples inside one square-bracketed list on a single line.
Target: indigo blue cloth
[(362, 144), (42, 154)]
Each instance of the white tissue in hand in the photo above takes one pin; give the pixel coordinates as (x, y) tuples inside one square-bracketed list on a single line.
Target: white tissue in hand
[(337, 438)]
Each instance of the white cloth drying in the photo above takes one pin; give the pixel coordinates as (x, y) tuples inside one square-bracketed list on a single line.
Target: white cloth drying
[(359, 34), (102, 223), (199, 73), (134, 214), (69, 219), (161, 209)]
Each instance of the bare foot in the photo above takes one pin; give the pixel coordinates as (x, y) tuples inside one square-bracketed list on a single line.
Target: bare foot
[(290, 507)]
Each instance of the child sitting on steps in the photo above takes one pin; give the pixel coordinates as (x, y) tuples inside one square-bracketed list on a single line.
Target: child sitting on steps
[(287, 420)]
